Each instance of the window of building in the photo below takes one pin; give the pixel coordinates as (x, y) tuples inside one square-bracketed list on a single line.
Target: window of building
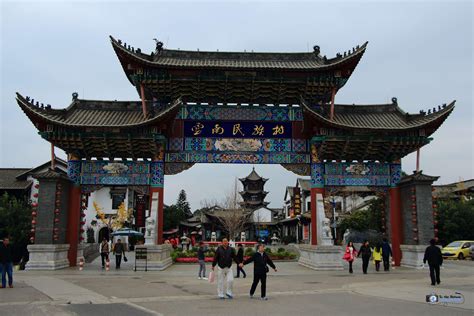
[(117, 199)]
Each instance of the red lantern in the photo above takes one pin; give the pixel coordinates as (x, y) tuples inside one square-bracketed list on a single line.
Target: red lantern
[(33, 214), (32, 230), (435, 222), (33, 222), (415, 238), (435, 206), (35, 195), (37, 185), (415, 229), (436, 238), (81, 239), (34, 204), (56, 211), (83, 215), (82, 222), (56, 220), (436, 230), (32, 239)]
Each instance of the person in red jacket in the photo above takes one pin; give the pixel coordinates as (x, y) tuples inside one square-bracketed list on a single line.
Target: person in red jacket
[(350, 255)]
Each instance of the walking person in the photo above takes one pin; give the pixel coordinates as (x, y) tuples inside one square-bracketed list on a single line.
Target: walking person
[(240, 259), (104, 249), (386, 254), (6, 262), (223, 259), (366, 253), (377, 256), (350, 255), (201, 254), (260, 261), (119, 250), (435, 260)]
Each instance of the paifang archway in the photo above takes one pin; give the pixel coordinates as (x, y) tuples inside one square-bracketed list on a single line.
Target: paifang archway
[(221, 107)]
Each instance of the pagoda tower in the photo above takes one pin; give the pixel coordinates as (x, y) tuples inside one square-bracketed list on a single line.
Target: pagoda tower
[(253, 194)]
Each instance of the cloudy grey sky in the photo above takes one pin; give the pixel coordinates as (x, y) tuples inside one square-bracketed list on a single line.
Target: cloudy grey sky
[(419, 51)]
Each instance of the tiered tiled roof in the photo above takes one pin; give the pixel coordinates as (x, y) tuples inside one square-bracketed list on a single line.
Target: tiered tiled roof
[(236, 77)]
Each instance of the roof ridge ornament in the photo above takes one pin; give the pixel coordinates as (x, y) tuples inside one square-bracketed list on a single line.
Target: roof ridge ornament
[(159, 46), (394, 101)]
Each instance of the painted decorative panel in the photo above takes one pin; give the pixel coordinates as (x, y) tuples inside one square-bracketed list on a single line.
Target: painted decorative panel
[(317, 175), (357, 174), (236, 144), (250, 113), (74, 170), (299, 145), (396, 174), (175, 144), (115, 173), (157, 174), (229, 157)]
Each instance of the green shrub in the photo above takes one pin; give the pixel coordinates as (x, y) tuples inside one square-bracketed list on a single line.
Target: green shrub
[(249, 251), (281, 250)]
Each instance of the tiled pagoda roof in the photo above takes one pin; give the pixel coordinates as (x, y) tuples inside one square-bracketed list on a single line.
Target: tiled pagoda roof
[(376, 117), (237, 60), (90, 113)]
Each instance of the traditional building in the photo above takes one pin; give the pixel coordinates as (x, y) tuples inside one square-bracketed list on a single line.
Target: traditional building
[(253, 195), (229, 107)]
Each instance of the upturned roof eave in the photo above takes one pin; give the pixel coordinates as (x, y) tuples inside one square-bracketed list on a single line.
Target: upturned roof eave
[(334, 62), (32, 113), (437, 117)]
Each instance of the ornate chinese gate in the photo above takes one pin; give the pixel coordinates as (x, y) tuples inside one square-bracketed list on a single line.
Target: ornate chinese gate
[(256, 108)]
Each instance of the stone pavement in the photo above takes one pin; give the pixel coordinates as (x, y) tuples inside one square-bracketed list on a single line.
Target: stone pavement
[(293, 290)]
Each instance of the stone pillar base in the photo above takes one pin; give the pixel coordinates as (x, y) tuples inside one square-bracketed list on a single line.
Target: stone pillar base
[(48, 257), (159, 257), (80, 253), (321, 257), (412, 256)]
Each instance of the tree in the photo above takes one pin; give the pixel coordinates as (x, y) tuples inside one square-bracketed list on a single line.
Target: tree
[(233, 220), (455, 220), (15, 222), (366, 219), (183, 205)]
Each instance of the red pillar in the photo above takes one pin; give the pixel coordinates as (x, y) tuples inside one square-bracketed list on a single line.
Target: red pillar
[(396, 224), (72, 235), (159, 194), (314, 213)]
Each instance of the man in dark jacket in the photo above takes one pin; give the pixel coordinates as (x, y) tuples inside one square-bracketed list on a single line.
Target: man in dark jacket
[(119, 250), (240, 259), (201, 254), (223, 259), (366, 253), (386, 254), (260, 260), (435, 260), (6, 262)]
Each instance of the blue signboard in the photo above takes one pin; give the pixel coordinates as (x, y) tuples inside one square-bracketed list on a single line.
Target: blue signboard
[(236, 129)]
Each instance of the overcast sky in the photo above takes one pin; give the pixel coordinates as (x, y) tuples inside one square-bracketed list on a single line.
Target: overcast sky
[(419, 52)]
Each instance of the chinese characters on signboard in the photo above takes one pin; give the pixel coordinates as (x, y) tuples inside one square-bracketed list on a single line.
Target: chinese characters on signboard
[(234, 129)]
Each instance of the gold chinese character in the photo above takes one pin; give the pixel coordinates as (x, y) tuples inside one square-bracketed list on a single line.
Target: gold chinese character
[(197, 129), (218, 129), (236, 130), (278, 130), (258, 130)]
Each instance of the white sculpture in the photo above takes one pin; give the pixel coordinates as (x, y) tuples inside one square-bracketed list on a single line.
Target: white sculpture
[(150, 234), (213, 237), (243, 238), (275, 239), (326, 228), (150, 227)]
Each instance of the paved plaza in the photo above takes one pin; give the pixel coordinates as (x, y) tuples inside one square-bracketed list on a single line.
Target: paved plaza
[(293, 290)]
